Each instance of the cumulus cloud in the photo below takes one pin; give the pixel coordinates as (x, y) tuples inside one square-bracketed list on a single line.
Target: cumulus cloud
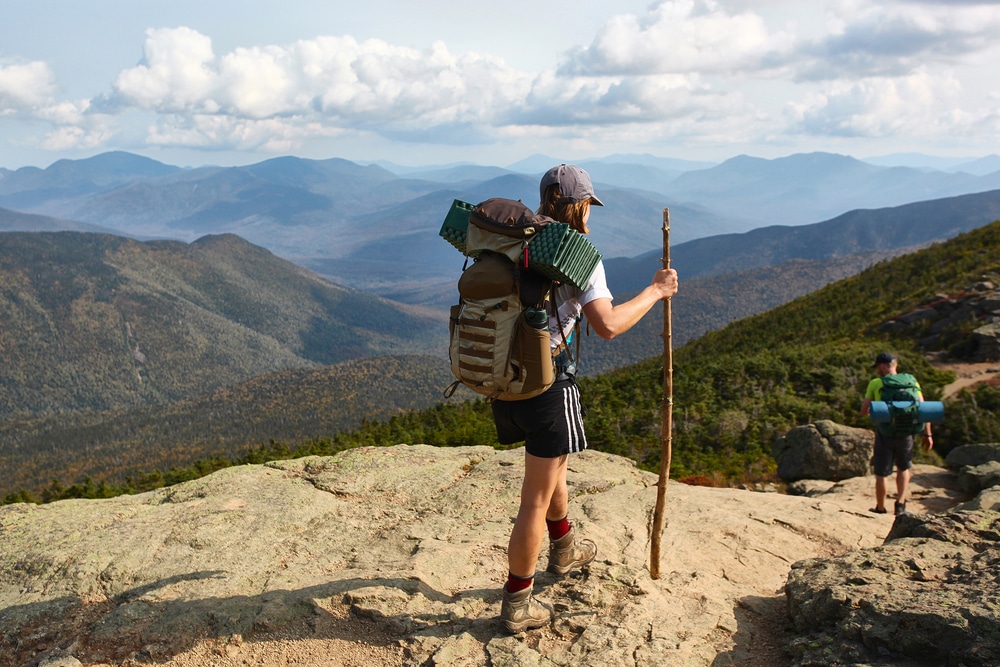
[(921, 104), (872, 39), (25, 86), (562, 101), (177, 74), (76, 137), (214, 131), (679, 36), (275, 96), (331, 80)]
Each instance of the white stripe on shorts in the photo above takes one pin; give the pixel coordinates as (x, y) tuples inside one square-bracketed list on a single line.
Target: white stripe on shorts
[(577, 439)]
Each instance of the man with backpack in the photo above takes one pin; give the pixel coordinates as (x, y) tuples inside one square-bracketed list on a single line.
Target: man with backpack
[(894, 439)]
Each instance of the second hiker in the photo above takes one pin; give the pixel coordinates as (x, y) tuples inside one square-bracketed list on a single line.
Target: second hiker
[(892, 448)]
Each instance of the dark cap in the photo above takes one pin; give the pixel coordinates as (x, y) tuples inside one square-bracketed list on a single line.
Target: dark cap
[(883, 358), (574, 184)]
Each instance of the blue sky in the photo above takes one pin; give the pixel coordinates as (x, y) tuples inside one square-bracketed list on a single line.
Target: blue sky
[(441, 81)]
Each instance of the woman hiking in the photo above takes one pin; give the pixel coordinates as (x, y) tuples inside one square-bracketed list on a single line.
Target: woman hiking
[(551, 424)]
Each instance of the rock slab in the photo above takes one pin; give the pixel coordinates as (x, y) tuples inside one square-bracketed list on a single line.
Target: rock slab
[(396, 556)]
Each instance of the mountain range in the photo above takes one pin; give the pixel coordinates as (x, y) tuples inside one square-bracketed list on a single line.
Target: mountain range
[(117, 323), (359, 224)]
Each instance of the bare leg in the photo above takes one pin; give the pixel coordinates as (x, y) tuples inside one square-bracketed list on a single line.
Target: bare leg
[(559, 503), (902, 484), (880, 492), (543, 493)]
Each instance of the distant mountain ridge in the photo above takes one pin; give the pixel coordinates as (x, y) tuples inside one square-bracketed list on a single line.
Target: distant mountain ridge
[(808, 188), (13, 221), (858, 231), (97, 322), (977, 166), (348, 221)]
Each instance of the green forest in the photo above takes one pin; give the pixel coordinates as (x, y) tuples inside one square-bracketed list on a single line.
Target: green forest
[(734, 390)]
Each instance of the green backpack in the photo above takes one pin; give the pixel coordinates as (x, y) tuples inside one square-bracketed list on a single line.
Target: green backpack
[(901, 394)]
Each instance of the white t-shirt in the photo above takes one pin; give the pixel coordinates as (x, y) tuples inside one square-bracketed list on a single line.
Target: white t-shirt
[(571, 299)]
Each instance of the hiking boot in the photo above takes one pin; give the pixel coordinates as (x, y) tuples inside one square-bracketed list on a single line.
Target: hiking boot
[(900, 508), (566, 553), (520, 611)]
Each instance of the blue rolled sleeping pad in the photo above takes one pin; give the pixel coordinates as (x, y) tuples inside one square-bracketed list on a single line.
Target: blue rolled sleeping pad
[(928, 411)]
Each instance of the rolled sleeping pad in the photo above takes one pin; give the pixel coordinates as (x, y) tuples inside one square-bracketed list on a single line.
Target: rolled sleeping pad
[(929, 411)]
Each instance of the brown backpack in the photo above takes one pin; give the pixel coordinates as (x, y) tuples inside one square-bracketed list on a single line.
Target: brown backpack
[(499, 342)]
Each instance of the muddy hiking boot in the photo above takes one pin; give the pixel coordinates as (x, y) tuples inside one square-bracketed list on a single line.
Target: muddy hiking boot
[(520, 611), (567, 553)]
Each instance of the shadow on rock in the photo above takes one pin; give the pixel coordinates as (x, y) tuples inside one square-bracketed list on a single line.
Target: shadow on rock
[(142, 624), (761, 633)]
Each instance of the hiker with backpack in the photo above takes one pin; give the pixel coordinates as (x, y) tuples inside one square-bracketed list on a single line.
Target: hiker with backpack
[(894, 439), (551, 423)]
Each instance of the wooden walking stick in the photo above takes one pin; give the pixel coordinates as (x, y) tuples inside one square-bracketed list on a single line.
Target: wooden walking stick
[(666, 427)]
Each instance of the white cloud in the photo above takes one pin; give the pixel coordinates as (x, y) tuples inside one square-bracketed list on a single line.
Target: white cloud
[(72, 137), (177, 74), (215, 131), (77, 127), (921, 104), (25, 86), (326, 77), (327, 84), (680, 36), (558, 100), (887, 39), (65, 113)]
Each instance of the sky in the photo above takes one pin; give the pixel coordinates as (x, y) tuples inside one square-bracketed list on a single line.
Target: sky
[(230, 82)]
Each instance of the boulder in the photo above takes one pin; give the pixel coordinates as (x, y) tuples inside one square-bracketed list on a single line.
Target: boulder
[(927, 595), (987, 342), (986, 500), (973, 479), (824, 450), (973, 455)]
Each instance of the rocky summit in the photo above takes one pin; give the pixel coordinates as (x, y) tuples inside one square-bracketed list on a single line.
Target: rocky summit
[(396, 556)]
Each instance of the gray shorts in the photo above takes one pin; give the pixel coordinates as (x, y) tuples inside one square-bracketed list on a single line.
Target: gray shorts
[(550, 424), (889, 451)]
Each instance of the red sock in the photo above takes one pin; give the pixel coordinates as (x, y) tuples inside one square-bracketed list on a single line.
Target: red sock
[(516, 583), (557, 528)]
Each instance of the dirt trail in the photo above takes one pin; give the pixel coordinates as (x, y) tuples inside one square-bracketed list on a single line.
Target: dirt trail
[(968, 375)]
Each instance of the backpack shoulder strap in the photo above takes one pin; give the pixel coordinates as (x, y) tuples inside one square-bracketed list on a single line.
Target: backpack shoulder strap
[(564, 345)]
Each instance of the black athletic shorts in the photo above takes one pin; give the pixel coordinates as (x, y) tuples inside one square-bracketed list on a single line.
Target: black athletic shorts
[(550, 424), (891, 450)]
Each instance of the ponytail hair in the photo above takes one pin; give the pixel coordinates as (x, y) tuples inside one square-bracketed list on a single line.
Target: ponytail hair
[(555, 206)]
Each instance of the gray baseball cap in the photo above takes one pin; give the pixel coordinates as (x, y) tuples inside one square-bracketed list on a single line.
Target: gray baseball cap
[(574, 184)]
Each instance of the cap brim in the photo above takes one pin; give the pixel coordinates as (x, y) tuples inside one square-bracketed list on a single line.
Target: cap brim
[(595, 201)]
